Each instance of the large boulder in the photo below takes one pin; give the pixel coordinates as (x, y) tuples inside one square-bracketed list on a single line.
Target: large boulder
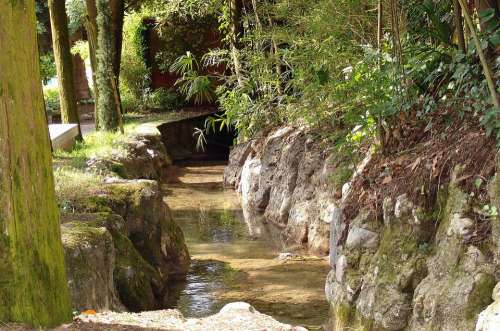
[(284, 178), (105, 270), (410, 270), (489, 319), (90, 262), (146, 158), (237, 158), (149, 248), (140, 156), (148, 223), (460, 278)]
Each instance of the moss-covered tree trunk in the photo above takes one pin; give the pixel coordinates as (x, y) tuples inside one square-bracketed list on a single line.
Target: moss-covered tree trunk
[(33, 286), (107, 111), (117, 21), (91, 28), (64, 63)]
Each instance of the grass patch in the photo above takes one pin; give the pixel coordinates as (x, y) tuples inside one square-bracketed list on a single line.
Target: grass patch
[(74, 185), (110, 145)]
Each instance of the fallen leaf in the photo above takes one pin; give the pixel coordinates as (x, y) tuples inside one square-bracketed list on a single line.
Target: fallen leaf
[(387, 180), (402, 159), (89, 312)]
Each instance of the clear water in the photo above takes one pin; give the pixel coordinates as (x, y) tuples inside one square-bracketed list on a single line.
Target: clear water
[(229, 265)]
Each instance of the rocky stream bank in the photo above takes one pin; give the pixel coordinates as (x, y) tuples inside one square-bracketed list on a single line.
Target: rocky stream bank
[(398, 263), (122, 248), (126, 255)]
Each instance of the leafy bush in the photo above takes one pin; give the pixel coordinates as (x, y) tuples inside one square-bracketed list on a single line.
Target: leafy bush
[(47, 67), (134, 74), (163, 100), (193, 85), (76, 11), (300, 66), (51, 97)]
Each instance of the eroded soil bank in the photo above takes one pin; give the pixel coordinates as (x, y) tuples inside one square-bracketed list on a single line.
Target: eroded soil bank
[(229, 265)]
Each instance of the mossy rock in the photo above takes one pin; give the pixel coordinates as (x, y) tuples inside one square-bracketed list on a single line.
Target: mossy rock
[(148, 223), (139, 285), (99, 240), (90, 261)]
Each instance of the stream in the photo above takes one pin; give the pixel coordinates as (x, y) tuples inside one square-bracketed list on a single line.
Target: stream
[(229, 265)]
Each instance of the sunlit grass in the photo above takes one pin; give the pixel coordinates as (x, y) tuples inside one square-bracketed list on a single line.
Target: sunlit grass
[(106, 145), (74, 184)]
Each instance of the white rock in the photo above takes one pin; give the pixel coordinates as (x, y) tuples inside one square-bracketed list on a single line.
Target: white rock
[(340, 269), (403, 206), (496, 293), (361, 238), (237, 316), (489, 319), (460, 226)]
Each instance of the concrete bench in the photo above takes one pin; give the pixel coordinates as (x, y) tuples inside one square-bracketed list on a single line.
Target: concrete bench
[(63, 136)]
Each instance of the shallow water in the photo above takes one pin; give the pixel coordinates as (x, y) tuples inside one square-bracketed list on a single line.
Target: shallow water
[(229, 265)]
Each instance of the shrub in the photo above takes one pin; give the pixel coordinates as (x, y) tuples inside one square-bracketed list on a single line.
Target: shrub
[(134, 74), (163, 100), (51, 97), (47, 67)]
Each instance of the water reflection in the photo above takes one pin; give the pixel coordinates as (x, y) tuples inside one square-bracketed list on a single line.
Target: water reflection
[(231, 265)]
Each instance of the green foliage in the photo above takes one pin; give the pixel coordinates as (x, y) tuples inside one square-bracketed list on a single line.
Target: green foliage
[(39, 7), (181, 27), (51, 97), (76, 11), (300, 66), (81, 48), (134, 74), (193, 85), (179, 35), (47, 67), (162, 100)]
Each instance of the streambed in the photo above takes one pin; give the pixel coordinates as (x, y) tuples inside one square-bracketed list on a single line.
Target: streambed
[(229, 265)]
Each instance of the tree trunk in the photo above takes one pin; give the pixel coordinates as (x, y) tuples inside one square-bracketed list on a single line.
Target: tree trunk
[(235, 12), (91, 27), (82, 90), (117, 21), (380, 25), (33, 284), (108, 109), (380, 35), (459, 26), (488, 74), (64, 64)]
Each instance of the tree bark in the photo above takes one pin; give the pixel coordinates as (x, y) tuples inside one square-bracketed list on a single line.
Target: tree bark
[(235, 12), (64, 64), (33, 284), (117, 21), (108, 110), (91, 27), (459, 26), (82, 90)]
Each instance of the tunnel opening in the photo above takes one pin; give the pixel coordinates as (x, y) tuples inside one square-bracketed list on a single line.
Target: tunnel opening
[(182, 142)]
